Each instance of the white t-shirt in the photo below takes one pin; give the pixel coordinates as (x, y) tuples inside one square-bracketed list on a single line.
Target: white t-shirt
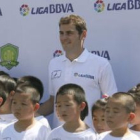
[(107, 136), (37, 132), (60, 134), (135, 132), (43, 121), (93, 73), (6, 119)]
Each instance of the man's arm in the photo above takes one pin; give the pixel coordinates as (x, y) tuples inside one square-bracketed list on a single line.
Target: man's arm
[(107, 80), (47, 107)]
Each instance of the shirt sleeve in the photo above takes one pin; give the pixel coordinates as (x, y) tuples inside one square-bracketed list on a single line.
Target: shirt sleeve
[(107, 81)]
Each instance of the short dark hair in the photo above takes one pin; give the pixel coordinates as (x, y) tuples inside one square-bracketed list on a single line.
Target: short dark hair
[(99, 105), (128, 101), (78, 94), (4, 73), (135, 92), (2, 93), (30, 90), (8, 82), (34, 82), (79, 22)]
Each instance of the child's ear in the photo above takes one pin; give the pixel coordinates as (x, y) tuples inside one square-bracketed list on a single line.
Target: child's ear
[(1, 100), (36, 106), (82, 106), (131, 117)]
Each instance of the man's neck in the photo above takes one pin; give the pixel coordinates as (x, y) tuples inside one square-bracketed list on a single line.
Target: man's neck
[(74, 54)]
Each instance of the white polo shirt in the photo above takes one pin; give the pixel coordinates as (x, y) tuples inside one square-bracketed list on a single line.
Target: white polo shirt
[(93, 73)]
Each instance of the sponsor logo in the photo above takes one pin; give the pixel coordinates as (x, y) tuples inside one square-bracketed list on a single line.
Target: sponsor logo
[(24, 10), (8, 56), (129, 5), (99, 5), (56, 74), (104, 54), (50, 9), (0, 12), (57, 53), (83, 75)]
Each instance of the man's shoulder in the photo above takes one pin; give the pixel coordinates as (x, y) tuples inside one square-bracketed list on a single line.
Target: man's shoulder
[(97, 57), (97, 60)]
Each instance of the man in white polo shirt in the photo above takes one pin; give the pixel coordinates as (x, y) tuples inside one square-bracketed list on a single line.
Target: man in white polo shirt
[(78, 66)]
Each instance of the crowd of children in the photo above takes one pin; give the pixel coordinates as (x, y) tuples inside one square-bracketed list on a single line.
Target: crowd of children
[(114, 118)]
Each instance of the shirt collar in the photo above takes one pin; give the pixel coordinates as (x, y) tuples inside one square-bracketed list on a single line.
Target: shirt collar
[(81, 58)]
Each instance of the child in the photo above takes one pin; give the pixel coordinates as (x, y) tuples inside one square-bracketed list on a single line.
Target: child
[(119, 112), (2, 94), (135, 92), (3, 73), (6, 115), (72, 108), (33, 81), (24, 105), (98, 116), (38, 85)]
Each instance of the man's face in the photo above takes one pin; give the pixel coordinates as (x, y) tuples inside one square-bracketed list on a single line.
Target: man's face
[(69, 37)]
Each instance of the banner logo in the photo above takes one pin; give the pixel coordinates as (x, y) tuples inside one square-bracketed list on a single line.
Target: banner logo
[(99, 5), (57, 53), (24, 10), (104, 54), (50, 9), (8, 56)]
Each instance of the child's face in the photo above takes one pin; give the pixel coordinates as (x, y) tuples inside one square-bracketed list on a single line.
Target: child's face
[(99, 122), (136, 120), (22, 106), (116, 115), (67, 108)]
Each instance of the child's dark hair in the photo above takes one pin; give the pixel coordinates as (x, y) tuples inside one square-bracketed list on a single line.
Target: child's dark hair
[(78, 94), (99, 105), (2, 93), (30, 90), (3, 73), (8, 82), (34, 82), (135, 92), (127, 100)]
